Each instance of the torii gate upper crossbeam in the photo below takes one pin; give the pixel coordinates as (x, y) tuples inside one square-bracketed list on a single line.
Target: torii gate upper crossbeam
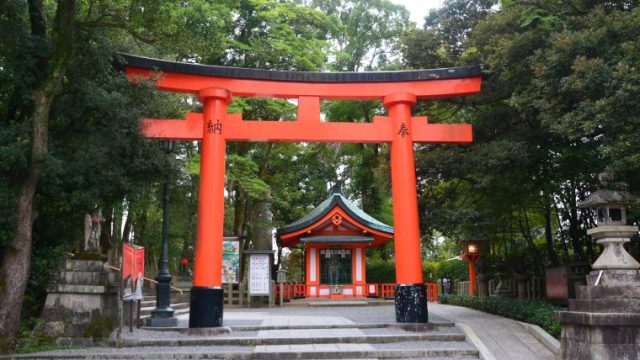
[(191, 78)]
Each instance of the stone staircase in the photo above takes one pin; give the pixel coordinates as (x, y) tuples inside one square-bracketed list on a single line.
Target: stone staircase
[(441, 341), (346, 341), (179, 305)]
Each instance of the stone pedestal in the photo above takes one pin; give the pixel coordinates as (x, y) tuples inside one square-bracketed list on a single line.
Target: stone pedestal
[(521, 286), (603, 322), (613, 237), (483, 285), (82, 303), (502, 289)]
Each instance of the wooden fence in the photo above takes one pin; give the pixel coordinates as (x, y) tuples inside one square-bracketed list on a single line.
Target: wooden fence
[(533, 288)]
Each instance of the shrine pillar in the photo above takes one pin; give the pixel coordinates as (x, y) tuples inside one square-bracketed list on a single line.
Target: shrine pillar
[(207, 296), (312, 261), (410, 291)]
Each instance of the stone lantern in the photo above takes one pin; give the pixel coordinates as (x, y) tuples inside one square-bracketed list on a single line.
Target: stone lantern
[(611, 230), (603, 321)]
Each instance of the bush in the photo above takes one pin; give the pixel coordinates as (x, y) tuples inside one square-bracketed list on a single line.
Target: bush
[(100, 328), (33, 339), (534, 312), (380, 272), (455, 269)]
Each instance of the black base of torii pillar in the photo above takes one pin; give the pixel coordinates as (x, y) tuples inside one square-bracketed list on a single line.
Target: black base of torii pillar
[(411, 303), (206, 307)]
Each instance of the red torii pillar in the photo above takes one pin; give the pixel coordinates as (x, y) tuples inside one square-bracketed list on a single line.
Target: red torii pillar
[(215, 87)]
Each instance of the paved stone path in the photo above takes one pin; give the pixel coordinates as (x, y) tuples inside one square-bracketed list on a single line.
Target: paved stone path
[(505, 338)]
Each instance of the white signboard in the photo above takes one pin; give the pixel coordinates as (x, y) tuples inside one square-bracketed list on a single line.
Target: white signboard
[(259, 274)]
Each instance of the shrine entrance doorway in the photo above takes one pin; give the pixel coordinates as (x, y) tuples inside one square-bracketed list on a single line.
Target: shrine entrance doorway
[(216, 86)]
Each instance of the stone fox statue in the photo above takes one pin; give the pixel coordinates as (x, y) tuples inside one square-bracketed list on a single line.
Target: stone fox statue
[(92, 230)]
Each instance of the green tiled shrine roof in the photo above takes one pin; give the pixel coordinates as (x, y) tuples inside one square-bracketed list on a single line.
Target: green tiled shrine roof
[(336, 198)]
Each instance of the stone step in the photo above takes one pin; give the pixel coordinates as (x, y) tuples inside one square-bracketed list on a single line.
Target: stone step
[(340, 351), (84, 265), (605, 305), (406, 327), (607, 292), (182, 285), (81, 289), (291, 340), (77, 277)]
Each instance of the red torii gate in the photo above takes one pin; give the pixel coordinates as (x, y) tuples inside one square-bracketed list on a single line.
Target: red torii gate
[(216, 86)]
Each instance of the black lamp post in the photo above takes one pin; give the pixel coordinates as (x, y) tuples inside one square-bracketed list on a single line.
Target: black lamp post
[(162, 315)]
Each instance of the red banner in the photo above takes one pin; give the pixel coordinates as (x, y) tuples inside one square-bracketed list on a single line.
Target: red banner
[(132, 271)]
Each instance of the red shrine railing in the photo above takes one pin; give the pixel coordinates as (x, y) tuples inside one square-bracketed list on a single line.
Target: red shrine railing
[(387, 291), (299, 291), (384, 291), (432, 291)]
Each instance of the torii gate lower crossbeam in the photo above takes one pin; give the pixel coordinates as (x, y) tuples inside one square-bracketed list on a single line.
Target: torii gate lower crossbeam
[(216, 86)]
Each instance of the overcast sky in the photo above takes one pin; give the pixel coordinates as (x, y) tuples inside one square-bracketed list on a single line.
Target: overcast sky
[(419, 8)]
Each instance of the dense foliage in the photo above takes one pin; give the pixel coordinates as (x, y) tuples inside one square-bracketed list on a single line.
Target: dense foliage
[(530, 311), (547, 121)]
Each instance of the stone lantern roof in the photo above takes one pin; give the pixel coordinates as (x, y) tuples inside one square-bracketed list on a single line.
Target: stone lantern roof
[(610, 205), (609, 197), (606, 196)]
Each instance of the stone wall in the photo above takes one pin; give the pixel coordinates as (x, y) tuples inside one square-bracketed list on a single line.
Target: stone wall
[(603, 322)]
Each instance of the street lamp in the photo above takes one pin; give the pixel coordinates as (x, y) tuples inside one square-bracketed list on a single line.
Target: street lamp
[(471, 253), (162, 315)]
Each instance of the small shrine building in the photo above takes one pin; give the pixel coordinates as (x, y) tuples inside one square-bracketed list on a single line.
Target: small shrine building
[(335, 235)]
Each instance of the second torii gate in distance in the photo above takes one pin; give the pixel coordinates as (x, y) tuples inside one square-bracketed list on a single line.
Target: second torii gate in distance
[(216, 86)]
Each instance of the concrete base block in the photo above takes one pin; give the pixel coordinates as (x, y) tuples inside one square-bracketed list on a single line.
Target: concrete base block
[(162, 322), (209, 331)]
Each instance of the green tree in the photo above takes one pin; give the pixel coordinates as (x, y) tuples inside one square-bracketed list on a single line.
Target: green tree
[(545, 123), (71, 134)]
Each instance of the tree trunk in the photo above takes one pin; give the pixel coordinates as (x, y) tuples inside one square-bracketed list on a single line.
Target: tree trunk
[(262, 221), (239, 208), (128, 224), (548, 234), (17, 258)]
